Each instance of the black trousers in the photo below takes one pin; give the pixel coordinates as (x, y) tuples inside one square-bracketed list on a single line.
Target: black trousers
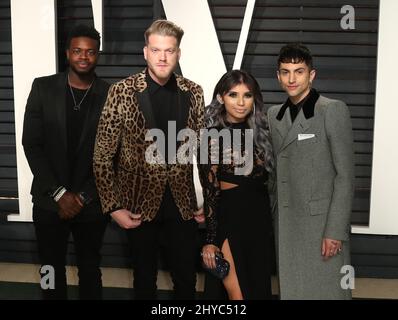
[(178, 238), (52, 240)]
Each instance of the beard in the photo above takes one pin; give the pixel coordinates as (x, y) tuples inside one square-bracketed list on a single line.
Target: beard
[(79, 72), (165, 74)]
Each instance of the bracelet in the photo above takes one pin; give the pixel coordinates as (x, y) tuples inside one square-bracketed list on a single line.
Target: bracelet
[(55, 192), (59, 194)]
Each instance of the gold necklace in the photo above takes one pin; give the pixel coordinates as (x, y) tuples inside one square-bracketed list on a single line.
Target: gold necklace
[(76, 106)]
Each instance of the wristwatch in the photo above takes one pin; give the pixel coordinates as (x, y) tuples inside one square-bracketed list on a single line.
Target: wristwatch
[(85, 198)]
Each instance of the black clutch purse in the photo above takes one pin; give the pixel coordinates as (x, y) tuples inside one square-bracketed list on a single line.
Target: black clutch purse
[(222, 267)]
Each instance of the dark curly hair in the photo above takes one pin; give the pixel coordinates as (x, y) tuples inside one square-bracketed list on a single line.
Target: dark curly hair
[(83, 30)]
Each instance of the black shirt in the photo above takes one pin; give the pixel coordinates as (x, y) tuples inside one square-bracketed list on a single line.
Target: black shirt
[(295, 108), (75, 121), (164, 101)]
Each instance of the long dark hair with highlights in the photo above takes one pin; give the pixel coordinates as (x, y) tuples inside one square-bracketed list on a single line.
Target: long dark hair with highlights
[(215, 113)]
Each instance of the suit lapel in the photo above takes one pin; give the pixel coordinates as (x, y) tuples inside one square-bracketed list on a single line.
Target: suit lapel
[(183, 109), (60, 105), (288, 131), (300, 125), (145, 106), (281, 128)]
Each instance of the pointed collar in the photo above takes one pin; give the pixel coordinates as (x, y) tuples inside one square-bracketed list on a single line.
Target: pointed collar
[(140, 84), (153, 86), (308, 106)]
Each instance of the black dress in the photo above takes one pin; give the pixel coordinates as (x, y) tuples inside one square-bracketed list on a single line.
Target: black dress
[(241, 215)]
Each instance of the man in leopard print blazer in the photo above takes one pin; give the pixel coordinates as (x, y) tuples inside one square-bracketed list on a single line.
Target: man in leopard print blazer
[(154, 202)]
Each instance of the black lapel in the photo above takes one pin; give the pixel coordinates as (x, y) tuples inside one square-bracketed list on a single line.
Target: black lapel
[(308, 106), (288, 130), (183, 109), (282, 110), (60, 105), (145, 105)]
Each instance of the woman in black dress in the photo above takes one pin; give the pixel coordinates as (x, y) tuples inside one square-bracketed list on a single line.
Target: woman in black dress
[(236, 202)]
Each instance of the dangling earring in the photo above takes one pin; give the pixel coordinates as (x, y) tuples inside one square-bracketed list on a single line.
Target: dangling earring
[(254, 109)]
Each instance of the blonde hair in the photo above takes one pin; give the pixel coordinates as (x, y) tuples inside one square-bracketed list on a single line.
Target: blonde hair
[(164, 28)]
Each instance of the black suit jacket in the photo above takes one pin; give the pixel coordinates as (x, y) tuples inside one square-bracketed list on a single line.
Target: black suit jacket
[(45, 143)]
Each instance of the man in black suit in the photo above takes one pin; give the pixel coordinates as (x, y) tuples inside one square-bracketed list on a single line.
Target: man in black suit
[(59, 131)]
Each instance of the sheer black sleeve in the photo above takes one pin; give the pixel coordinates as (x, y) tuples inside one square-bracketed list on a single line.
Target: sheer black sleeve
[(211, 194)]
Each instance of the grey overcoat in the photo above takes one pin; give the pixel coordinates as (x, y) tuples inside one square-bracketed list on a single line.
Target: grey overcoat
[(313, 192)]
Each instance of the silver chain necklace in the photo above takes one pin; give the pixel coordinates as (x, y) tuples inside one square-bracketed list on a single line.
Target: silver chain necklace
[(76, 106)]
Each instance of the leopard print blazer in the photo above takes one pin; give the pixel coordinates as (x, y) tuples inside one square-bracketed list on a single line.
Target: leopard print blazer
[(123, 176)]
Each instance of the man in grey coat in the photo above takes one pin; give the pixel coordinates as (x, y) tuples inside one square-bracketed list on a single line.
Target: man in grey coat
[(313, 148)]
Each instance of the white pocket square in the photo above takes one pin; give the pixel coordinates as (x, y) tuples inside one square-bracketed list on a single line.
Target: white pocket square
[(305, 136)]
